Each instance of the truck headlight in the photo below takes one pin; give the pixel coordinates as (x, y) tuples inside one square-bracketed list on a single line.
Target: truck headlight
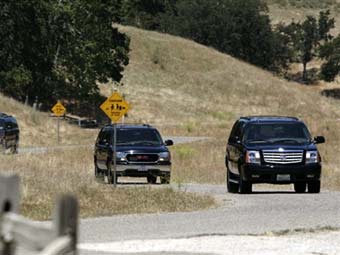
[(164, 156), (253, 157), (121, 156), (312, 157)]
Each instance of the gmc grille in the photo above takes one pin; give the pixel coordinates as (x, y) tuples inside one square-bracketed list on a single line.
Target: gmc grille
[(142, 157), (283, 157)]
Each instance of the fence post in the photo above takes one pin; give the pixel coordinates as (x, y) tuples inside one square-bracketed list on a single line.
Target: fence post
[(9, 202), (66, 219)]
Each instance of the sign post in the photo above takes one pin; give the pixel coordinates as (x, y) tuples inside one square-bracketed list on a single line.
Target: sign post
[(59, 110), (115, 107)]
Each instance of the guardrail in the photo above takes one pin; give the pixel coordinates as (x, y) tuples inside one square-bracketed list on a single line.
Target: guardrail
[(19, 235)]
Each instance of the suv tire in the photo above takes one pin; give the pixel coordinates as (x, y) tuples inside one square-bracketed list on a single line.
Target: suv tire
[(300, 187), (314, 187), (110, 178), (232, 187), (245, 187), (151, 179)]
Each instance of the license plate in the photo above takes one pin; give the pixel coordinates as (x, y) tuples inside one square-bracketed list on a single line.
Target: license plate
[(283, 177), (142, 168)]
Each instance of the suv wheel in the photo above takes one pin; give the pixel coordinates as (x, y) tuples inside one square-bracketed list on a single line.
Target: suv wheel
[(232, 187), (152, 179), (245, 187), (14, 149), (314, 187), (300, 187), (98, 173), (110, 178), (165, 179)]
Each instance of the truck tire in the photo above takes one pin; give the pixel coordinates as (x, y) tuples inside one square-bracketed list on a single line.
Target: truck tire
[(314, 187), (232, 187), (151, 179), (300, 187)]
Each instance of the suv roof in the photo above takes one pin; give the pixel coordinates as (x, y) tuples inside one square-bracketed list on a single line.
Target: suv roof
[(4, 115), (269, 118), (131, 126)]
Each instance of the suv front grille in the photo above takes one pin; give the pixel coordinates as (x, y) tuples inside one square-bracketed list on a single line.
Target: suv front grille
[(283, 157), (142, 158)]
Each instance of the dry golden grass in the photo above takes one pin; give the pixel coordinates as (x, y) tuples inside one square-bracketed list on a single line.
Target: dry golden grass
[(184, 88), (43, 177), (288, 13), (37, 128)]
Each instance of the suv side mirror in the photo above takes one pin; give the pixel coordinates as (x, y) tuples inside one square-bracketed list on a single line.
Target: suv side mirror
[(168, 142), (235, 139), (104, 142), (319, 139)]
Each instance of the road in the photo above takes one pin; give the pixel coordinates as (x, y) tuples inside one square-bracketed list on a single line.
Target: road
[(238, 217)]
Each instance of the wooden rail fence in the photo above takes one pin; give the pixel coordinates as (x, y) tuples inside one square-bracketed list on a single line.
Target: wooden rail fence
[(19, 235)]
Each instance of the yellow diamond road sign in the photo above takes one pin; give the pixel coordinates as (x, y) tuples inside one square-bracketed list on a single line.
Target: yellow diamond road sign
[(58, 109), (115, 107)]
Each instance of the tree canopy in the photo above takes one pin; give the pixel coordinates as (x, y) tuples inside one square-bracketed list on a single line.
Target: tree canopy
[(59, 49)]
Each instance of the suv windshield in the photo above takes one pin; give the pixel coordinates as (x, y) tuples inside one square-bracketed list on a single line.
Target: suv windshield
[(276, 133), (138, 137)]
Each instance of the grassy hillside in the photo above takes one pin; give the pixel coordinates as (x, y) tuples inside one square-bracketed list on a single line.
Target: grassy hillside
[(185, 88), (37, 128), (288, 10)]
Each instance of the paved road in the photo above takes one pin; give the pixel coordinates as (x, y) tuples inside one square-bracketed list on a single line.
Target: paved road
[(267, 210)]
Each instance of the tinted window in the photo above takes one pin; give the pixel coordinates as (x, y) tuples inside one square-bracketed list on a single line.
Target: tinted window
[(236, 131), (2, 123), (104, 137), (138, 136), (276, 132)]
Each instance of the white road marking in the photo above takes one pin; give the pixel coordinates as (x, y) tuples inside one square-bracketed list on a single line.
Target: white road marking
[(297, 244)]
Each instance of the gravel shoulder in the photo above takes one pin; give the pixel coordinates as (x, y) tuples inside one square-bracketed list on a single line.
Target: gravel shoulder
[(298, 244)]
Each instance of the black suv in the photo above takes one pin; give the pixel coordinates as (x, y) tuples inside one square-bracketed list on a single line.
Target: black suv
[(9, 133), (140, 152), (269, 149)]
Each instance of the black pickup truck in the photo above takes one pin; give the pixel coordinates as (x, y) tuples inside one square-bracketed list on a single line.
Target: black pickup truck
[(270, 149), (140, 152)]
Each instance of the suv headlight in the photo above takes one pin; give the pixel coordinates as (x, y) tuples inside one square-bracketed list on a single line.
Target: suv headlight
[(164, 156), (253, 157), (121, 156), (312, 157)]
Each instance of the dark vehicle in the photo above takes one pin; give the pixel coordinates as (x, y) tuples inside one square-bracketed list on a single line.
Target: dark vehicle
[(9, 133), (277, 150), (140, 152)]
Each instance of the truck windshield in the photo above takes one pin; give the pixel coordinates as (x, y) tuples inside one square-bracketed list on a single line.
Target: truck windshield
[(276, 133), (147, 137)]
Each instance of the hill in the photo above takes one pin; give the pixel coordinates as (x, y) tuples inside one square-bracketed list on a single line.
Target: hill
[(187, 88), (38, 128), (297, 10)]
